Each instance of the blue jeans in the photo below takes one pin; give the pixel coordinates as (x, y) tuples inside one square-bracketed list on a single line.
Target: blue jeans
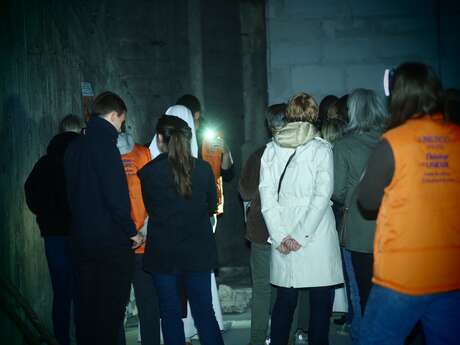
[(353, 296), (198, 288), (58, 255), (390, 316)]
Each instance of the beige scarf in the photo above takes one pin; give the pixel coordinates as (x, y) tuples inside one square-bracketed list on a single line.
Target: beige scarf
[(295, 134)]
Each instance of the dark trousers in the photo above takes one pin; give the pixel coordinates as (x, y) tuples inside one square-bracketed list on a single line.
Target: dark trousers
[(147, 306), (198, 287), (104, 281), (346, 281), (362, 266), (59, 258), (321, 300)]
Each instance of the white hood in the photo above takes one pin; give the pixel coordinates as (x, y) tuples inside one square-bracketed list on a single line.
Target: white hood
[(185, 114)]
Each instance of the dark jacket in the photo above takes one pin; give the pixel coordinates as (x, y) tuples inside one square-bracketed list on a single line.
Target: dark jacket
[(45, 188), (256, 229), (351, 154), (179, 232), (97, 190)]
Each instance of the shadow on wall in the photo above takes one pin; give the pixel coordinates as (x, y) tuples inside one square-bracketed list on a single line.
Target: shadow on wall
[(20, 239)]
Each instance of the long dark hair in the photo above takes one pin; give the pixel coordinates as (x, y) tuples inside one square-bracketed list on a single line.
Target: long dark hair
[(177, 135), (416, 92)]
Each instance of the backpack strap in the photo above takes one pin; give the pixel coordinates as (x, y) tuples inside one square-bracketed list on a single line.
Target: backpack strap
[(284, 171)]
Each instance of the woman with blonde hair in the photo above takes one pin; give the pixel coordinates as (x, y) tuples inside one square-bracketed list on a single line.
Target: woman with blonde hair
[(296, 183)]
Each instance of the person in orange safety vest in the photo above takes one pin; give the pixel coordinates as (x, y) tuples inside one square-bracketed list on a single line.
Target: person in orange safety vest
[(134, 157)]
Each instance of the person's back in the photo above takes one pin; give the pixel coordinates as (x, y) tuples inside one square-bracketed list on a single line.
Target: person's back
[(179, 194), (426, 178), (368, 118), (93, 164), (296, 182), (412, 179), (184, 221), (46, 197), (46, 190), (135, 157), (101, 223)]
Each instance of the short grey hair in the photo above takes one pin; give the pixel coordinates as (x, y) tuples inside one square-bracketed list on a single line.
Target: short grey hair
[(71, 123), (366, 110)]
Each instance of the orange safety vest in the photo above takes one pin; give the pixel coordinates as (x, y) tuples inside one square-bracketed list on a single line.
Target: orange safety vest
[(417, 241), (133, 162), (214, 158)]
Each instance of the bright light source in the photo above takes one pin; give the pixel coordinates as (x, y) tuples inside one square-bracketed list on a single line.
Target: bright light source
[(210, 134)]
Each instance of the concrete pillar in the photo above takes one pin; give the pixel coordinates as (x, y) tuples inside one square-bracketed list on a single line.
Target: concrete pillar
[(196, 50), (254, 74)]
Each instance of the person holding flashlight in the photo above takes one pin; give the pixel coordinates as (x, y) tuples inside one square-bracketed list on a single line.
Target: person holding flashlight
[(213, 149)]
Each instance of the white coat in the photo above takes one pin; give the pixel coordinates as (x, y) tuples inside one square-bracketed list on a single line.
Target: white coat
[(303, 209)]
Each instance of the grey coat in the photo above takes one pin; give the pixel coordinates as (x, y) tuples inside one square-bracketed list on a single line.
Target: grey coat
[(350, 159)]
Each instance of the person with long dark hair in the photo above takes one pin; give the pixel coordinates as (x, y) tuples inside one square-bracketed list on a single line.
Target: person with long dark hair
[(179, 193), (413, 180)]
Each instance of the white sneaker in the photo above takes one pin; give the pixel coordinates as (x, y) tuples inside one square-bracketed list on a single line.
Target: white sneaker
[(300, 338)]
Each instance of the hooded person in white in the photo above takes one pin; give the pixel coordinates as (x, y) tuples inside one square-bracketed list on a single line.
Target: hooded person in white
[(305, 248), (185, 114)]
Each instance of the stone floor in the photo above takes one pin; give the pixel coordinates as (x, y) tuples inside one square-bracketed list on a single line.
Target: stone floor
[(238, 332), (235, 297)]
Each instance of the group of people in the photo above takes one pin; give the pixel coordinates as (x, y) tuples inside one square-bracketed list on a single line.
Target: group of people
[(362, 191), (355, 191), (116, 214)]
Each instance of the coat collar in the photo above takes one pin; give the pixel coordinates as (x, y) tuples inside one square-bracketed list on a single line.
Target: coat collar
[(100, 127)]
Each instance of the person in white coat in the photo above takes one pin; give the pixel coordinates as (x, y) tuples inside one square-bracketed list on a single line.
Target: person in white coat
[(296, 184)]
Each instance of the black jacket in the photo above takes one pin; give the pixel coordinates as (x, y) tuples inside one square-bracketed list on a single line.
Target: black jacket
[(46, 191), (179, 232), (97, 190)]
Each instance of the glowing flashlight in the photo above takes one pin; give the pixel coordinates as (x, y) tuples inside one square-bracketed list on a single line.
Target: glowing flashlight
[(210, 134)]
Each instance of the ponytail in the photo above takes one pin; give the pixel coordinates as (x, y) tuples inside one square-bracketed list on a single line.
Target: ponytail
[(181, 159), (177, 135)]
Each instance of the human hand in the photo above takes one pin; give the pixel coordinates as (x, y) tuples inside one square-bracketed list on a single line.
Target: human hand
[(218, 144), (291, 244), (138, 241), (283, 249), (227, 159)]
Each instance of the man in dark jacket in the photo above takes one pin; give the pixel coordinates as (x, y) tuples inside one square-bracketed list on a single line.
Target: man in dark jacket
[(103, 233), (46, 197)]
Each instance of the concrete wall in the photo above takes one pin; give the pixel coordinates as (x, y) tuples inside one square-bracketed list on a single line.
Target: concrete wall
[(150, 53), (333, 46)]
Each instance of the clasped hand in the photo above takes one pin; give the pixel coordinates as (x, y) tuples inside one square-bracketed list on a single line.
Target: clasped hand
[(288, 244), (137, 241)]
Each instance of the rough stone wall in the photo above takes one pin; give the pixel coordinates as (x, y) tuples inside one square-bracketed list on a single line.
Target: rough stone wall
[(333, 46), (139, 50)]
